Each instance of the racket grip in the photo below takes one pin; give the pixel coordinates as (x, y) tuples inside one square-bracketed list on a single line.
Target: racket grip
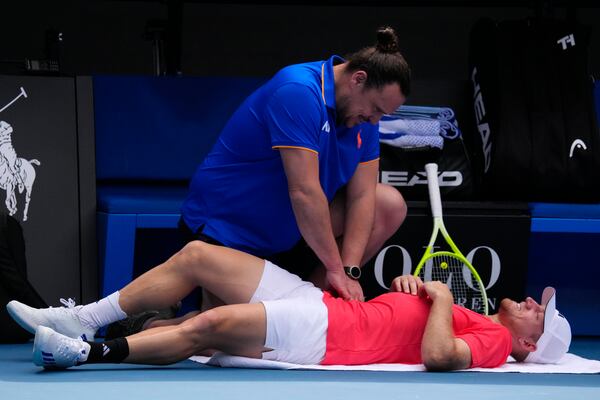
[(434, 189)]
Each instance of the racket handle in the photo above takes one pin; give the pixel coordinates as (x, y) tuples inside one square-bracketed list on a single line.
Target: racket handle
[(434, 189)]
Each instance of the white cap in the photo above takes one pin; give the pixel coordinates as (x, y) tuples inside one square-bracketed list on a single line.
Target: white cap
[(556, 335)]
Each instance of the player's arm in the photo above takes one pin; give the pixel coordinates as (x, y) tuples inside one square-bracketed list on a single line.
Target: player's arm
[(440, 350), (294, 120), (311, 209)]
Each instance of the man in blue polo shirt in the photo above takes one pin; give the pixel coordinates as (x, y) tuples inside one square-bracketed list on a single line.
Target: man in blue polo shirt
[(296, 167)]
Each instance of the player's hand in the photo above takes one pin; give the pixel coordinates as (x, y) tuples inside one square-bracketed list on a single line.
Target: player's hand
[(406, 284), (346, 288), (435, 290)]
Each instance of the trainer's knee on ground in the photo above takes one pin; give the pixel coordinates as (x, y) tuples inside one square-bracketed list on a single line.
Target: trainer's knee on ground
[(391, 209)]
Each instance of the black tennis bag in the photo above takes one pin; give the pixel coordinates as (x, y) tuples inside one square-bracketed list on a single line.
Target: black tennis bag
[(13, 279), (537, 135)]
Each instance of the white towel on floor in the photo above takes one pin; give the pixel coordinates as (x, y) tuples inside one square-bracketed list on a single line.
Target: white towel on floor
[(570, 364)]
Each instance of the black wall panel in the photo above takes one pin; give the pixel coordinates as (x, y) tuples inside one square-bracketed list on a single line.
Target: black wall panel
[(41, 112)]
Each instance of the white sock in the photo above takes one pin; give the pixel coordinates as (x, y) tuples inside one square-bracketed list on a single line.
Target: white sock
[(103, 312)]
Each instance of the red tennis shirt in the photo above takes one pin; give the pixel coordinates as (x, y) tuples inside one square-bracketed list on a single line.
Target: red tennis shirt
[(389, 329)]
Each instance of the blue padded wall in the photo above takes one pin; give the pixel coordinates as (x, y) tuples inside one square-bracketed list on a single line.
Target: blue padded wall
[(161, 128), (565, 261)]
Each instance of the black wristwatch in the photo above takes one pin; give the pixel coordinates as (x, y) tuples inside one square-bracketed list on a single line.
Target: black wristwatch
[(353, 271)]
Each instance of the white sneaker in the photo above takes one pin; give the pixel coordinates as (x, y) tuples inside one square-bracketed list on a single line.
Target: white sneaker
[(63, 320), (52, 350)]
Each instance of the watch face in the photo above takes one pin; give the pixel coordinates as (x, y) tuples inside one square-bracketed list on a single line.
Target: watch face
[(353, 272)]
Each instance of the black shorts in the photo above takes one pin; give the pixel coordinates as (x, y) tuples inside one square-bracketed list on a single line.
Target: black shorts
[(188, 235), (299, 260)]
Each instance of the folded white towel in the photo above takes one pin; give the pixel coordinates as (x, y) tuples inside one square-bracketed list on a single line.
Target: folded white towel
[(570, 364), (417, 127), (414, 141)]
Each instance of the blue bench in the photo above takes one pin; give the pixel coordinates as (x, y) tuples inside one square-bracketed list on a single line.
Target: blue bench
[(151, 134), (562, 241), (558, 217)]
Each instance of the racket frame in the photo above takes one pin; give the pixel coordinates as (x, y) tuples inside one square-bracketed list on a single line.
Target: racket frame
[(439, 227)]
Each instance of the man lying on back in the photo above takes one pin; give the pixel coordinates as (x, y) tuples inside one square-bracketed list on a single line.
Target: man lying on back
[(272, 314)]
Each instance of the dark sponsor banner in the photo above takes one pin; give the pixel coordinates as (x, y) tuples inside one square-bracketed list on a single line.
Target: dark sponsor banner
[(405, 170), (39, 177), (494, 237)]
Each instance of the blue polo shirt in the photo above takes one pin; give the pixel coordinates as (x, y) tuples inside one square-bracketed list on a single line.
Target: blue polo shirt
[(239, 194)]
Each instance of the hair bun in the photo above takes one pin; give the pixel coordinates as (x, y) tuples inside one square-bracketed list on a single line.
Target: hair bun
[(387, 41)]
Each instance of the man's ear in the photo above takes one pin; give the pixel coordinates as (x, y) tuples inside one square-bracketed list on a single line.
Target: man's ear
[(527, 344), (359, 77)]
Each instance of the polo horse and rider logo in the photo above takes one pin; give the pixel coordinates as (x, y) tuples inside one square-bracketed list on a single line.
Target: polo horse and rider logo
[(16, 173)]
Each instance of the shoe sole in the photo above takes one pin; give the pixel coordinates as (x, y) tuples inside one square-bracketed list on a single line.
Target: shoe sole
[(41, 337), (13, 310)]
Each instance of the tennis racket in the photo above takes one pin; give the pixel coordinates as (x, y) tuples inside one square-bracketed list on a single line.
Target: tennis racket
[(449, 266)]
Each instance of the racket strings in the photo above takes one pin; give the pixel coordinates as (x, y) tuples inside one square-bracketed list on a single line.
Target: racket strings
[(456, 275)]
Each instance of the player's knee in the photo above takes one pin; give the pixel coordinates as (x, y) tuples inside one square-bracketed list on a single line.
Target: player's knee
[(199, 327), (390, 208), (193, 253)]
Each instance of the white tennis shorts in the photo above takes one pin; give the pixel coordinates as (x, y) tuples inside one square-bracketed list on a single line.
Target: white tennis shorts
[(296, 317)]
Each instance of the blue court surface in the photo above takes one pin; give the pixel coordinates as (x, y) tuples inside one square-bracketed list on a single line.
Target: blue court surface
[(20, 379)]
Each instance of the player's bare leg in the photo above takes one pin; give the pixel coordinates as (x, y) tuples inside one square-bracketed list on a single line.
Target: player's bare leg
[(235, 329), (231, 275)]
